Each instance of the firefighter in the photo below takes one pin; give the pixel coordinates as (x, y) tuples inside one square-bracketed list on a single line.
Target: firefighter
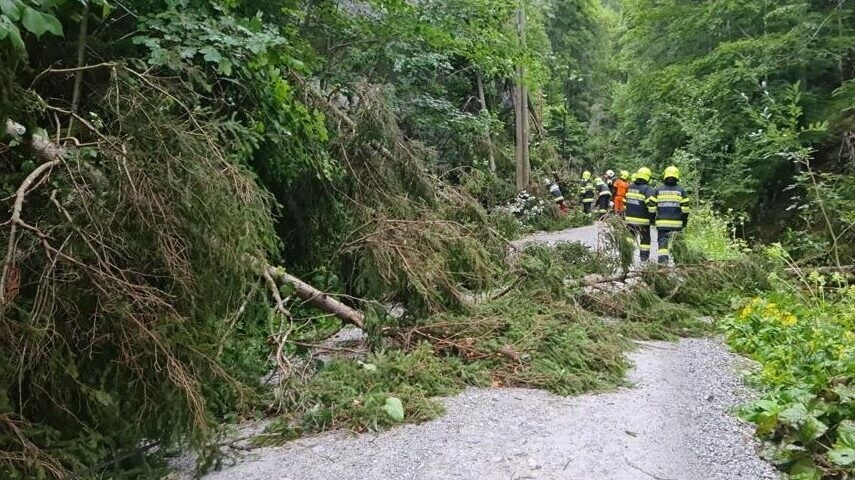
[(638, 215), (555, 191), (586, 192), (670, 203), (604, 197), (621, 185), (609, 178)]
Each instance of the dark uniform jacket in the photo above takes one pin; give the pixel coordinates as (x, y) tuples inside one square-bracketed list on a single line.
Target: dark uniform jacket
[(586, 191), (637, 211), (671, 205)]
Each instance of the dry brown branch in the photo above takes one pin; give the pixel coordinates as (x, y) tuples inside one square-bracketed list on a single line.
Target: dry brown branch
[(327, 348), (316, 297), (52, 156), (70, 70), (274, 292)]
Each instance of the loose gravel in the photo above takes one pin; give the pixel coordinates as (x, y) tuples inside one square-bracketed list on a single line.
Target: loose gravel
[(674, 423), (588, 236)]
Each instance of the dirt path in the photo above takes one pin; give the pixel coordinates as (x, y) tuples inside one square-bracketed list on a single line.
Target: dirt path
[(673, 423), (588, 236)]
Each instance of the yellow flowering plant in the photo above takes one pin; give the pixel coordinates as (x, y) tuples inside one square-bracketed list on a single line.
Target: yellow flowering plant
[(805, 347)]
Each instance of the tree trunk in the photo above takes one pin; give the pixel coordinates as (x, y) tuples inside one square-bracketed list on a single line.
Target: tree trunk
[(490, 157), (536, 111), (81, 58), (319, 299), (521, 113)]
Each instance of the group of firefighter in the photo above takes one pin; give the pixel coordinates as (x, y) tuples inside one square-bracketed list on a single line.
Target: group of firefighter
[(633, 197)]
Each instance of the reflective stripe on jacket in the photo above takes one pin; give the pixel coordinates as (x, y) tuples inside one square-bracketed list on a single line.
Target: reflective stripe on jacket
[(670, 203), (637, 212), (586, 191), (555, 190)]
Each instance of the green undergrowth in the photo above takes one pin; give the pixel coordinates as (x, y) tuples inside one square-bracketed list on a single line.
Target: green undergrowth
[(531, 339), (802, 334), (640, 313), (708, 236), (546, 332), (352, 394)]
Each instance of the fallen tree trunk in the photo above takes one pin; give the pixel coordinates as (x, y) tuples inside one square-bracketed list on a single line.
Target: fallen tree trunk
[(319, 299)]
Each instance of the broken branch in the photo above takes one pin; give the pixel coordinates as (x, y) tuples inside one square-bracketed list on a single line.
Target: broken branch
[(317, 298), (53, 156)]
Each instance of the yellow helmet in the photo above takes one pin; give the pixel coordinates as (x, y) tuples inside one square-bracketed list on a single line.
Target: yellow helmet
[(586, 175), (644, 173), (672, 172), (624, 174)]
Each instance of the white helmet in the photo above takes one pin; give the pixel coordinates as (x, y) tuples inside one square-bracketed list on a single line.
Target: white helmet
[(546, 182), (610, 173)]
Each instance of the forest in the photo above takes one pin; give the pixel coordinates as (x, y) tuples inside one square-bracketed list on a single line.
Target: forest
[(201, 192)]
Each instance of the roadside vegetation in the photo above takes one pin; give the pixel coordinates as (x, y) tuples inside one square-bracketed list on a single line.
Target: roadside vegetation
[(802, 333)]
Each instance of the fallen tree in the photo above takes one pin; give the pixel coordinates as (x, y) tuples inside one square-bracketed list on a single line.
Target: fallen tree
[(123, 276), (315, 297)]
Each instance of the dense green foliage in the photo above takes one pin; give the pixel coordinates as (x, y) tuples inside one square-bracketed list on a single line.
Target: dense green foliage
[(368, 147), (804, 339), (746, 92)]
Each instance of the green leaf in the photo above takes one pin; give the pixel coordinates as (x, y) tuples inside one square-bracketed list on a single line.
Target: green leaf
[(846, 433), (105, 7), (813, 428), (225, 67), (394, 408), (793, 415), (102, 397), (4, 28), (11, 8), (10, 31), (845, 392), (38, 23), (843, 456), (210, 54), (804, 469)]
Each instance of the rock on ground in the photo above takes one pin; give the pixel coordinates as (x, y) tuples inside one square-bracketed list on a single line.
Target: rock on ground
[(674, 423)]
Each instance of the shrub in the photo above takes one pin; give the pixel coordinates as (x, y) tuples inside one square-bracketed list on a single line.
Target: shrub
[(805, 345), (707, 236)]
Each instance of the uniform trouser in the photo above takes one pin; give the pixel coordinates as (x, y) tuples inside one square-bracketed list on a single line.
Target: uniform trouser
[(586, 206), (642, 237), (664, 241), (603, 204)]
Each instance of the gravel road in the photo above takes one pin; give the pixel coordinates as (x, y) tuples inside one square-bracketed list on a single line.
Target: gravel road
[(588, 236), (673, 423)]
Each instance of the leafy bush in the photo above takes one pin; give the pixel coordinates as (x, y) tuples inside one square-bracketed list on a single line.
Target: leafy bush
[(708, 236), (805, 344)]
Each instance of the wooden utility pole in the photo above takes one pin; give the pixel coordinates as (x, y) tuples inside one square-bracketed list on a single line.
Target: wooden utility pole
[(483, 100), (521, 111)]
